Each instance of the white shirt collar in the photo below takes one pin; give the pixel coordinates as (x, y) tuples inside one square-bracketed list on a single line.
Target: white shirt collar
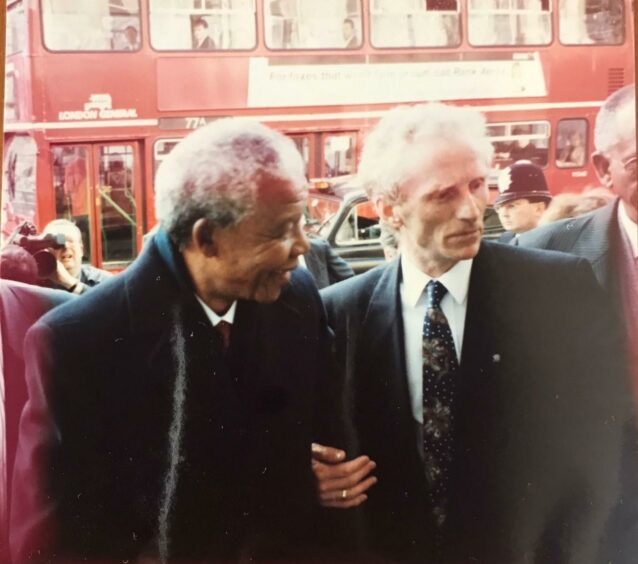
[(229, 316), (456, 280), (629, 227)]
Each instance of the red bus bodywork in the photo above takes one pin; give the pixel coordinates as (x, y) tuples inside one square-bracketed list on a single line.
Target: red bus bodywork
[(109, 116)]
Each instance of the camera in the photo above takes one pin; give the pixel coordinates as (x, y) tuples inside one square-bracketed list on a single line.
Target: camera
[(26, 236)]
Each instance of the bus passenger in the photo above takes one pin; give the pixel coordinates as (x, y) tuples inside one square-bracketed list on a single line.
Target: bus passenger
[(171, 412), (484, 380), (349, 35), (201, 40), (573, 154)]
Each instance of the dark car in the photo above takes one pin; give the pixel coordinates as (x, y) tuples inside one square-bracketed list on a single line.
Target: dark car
[(340, 212)]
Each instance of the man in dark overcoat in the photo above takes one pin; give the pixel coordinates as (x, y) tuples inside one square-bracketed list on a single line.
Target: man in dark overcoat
[(171, 411)]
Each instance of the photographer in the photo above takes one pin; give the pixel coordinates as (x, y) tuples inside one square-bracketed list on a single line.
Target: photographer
[(71, 275)]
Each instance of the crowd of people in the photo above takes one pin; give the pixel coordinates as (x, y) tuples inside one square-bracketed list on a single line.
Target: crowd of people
[(468, 401)]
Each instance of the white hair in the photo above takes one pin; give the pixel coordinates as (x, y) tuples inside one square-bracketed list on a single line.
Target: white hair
[(57, 224), (616, 119), (393, 151), (216, 171)]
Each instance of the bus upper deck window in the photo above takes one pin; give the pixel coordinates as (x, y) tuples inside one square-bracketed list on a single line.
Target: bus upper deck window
[(429, 23), (520, 141), (591, 22), (203, 25), (308, 24), (509, 22), (91, 25)]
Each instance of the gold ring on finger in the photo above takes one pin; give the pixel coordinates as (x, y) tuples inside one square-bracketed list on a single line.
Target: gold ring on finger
[(344, 494)]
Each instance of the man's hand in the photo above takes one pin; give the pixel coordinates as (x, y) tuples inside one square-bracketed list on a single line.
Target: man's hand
[(341, 484), (61, 276)]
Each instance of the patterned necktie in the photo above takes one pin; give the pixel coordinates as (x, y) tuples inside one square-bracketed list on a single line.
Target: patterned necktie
[(439, 366), (223, 330)]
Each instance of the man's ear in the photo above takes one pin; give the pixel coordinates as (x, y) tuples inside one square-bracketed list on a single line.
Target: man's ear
[(203, 237), (601, 164), (389, 213)]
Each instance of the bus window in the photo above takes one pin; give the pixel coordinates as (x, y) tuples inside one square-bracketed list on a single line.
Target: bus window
[(571, 143), (161, 149), (509, 22), (202, 25), (410, 23), (308, 24), (91, 25), (519, 141), (339, 154), (16, 28), (116, 192), (591, 21), (71, 175)]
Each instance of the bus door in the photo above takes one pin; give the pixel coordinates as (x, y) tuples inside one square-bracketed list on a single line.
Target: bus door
[(99, 187)]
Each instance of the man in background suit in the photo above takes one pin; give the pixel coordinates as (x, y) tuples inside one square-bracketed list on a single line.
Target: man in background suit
[(483, 380), (326, 266), (608, 237), (21, 305), (171, 410)]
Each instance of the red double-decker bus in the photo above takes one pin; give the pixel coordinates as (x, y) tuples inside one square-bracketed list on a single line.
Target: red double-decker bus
[(99, 91)]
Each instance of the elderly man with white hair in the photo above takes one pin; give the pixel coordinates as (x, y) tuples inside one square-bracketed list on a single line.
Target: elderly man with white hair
[(483, 380), (171, 412), (71, 274)]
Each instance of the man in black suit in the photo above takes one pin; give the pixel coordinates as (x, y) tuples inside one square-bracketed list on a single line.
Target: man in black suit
[(171, 410), (326, 266), (21, 305), (483, 380), (608, 237)]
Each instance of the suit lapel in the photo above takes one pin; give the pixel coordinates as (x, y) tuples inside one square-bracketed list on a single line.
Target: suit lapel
[(596, 243), (381, 344)]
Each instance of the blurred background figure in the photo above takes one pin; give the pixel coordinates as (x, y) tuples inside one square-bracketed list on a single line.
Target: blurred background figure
[(351, 41), (201, 39), (21, 305), (572, 204), (522, 200), (18, 264), (71, 275), (131, 37), (573, 154), (325, 265)]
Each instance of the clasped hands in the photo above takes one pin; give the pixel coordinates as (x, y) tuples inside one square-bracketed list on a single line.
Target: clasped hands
[(341, 484)]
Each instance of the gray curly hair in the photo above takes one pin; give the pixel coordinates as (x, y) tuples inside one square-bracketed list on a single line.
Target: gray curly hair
[(215, 173), (393, 151), (612, 122)]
